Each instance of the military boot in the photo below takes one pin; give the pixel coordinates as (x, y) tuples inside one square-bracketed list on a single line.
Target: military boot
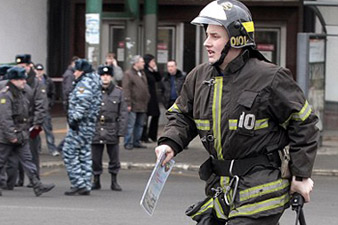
[(77, 191), (96, 183), (114, 185), (40, 188)]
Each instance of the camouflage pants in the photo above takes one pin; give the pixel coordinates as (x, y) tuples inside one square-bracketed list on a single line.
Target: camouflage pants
[(77, 157)]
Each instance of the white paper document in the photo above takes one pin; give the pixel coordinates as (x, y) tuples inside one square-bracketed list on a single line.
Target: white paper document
[(155, 184)]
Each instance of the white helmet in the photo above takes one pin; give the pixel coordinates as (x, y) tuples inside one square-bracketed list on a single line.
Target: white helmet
[(234, 16)]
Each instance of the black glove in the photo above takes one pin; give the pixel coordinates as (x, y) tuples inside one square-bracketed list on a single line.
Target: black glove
[(74, 125)]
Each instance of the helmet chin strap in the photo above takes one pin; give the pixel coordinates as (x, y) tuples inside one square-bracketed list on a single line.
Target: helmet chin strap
[(224, 53)]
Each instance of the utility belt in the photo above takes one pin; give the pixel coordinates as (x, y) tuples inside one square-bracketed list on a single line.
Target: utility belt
[(104, 120), (237, 167), (20, 120)]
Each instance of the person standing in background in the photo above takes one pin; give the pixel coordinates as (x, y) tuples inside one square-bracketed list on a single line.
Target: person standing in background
[(118, 73), (47, 124), (153, 110), (110, 125), (136, 93), (171, 84)]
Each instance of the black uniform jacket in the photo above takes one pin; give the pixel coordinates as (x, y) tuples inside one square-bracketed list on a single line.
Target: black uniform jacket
[(251, 106), (14, 112), (112, 119)]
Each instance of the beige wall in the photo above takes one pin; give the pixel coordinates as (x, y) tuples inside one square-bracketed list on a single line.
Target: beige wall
[(23, 26), (331, 18)]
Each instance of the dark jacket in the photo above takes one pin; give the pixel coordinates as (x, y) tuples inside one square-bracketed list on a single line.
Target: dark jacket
[(67, 86), (112, 119), (152, 78), (50, 90), (251, 108), (135, 89), (39, 105), (28, 93), (166, 87), (14, 112)]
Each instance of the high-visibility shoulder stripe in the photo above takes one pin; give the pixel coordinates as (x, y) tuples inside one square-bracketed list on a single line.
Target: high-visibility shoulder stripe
[(216, 115), (174, 108), (263, 189), (263, 123), (262, 206), (202, 124), (302, 115)]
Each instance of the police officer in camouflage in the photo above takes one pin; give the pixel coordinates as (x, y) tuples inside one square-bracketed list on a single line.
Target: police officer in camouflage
[(83, 109), (110, 126), (14, 124)]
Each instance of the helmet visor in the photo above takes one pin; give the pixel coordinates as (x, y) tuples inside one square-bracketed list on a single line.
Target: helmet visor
[(202, 20)]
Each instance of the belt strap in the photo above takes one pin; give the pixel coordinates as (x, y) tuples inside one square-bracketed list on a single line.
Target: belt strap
[(241, 167)]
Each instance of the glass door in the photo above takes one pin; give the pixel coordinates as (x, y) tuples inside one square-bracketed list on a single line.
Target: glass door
[(165, 46), (116, 44)]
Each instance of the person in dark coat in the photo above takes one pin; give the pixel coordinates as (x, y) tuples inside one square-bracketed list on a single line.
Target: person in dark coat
[(47, 123), (153, 76), (111, 124), (14, 125), (38, 110), (171, 84), (136, 94)]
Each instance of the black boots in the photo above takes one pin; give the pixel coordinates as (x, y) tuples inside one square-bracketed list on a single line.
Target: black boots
[(40, 188), (77, 191), (114, 185), (96, 183)]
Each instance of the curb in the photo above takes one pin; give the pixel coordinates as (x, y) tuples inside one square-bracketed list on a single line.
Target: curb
[(177, 166)]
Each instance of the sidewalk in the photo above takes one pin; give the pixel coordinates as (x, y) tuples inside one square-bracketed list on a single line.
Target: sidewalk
[(191, 158)]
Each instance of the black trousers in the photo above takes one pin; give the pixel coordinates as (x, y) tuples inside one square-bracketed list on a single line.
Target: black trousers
[(14, 166), (114, 158), (151, 130), (23, 154)]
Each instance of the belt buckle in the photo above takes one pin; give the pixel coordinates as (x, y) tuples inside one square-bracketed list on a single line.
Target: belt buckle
[(102, 120)]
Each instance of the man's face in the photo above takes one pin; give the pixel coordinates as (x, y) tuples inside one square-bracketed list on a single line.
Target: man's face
[(152, 63), (140, 64), (172, 67), (77, 73), (217, 38), (19, 83), (106, 79), (109, 60), (39, 73), (26, 66)]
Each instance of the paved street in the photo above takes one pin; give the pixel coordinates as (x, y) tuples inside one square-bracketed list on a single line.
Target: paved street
[(122, 208), (182, 189)]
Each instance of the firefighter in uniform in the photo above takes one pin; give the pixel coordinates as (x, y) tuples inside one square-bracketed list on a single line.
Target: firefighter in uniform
[(14, 122), (83, 109), (245, 111), (111, 125)]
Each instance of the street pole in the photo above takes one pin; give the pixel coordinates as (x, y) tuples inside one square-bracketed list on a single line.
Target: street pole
[(93, 31), (150, 25), (131, 48)]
